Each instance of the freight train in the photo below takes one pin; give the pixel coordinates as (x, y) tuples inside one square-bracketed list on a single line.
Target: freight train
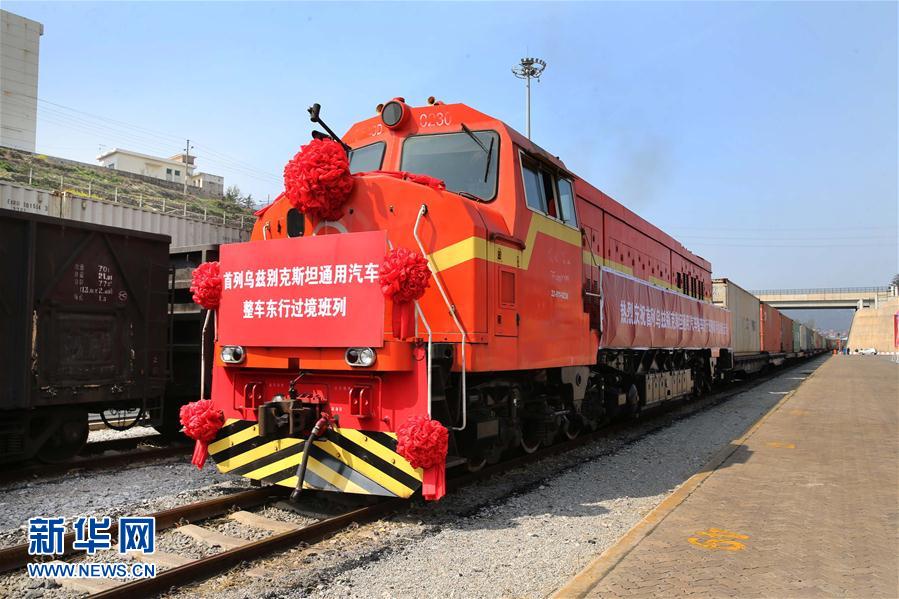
[(83, 329), (762, 336), (550, 309), (93, 319)]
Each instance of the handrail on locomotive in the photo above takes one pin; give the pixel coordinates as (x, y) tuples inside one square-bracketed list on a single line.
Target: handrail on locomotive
[(452, 310)]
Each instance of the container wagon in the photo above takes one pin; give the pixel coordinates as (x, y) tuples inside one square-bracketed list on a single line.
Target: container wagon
[(786, 335), (745, 311), (771, 329), (84, 329), (803, 338)]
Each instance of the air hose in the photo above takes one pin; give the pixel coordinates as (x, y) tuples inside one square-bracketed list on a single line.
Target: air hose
[(317, 431)]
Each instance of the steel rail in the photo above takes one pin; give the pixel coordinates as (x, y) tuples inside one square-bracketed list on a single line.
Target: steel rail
[(209, 566), (17, 556), (119, 444), (130, 454)]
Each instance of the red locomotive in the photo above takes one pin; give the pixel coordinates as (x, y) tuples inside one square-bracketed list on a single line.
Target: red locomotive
[(461, 294)]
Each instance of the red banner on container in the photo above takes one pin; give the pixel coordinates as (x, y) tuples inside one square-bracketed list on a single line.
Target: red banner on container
[(896, 330), (639, 315), (317, 291)]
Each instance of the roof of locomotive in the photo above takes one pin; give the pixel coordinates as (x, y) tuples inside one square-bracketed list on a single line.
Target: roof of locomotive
[(447, 118)]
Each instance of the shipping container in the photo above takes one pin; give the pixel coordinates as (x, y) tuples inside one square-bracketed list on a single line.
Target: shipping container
[(770, 318), (786, 333), (803, 338), (797, 345), (744, 309), (84, 328), (184, 229)]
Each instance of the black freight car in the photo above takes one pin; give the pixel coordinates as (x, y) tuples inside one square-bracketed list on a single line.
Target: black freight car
[(84, 327), (185, 349)]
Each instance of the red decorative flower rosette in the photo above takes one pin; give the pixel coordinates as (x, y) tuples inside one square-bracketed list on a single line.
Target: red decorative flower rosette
[(206, 285), (404, 276), (201, 421), (317, 181), (424, 442)]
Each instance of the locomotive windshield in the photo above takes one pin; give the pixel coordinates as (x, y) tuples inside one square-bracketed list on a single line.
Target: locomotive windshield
[(367, 158), (457, 159)]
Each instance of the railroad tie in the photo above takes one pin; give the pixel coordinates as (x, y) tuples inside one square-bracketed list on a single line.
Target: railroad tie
[(211, 537), (263, 522), (85, 585), (162, 559)]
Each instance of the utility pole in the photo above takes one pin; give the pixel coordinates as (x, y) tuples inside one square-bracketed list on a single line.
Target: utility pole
[(527, 69), (187, 149)]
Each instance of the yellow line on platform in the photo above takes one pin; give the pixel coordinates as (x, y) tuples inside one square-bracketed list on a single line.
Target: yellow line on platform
[(584, 581)]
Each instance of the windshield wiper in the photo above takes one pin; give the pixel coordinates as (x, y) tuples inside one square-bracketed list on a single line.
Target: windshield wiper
[(469, 195), (489, 154), (474, 138), (488, 151)]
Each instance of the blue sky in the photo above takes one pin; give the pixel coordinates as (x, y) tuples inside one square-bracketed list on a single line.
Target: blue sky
[(763, 135)]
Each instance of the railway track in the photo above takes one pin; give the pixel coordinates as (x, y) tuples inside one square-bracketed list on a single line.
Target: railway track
[(179, 571), (97, 456), (17, 556)]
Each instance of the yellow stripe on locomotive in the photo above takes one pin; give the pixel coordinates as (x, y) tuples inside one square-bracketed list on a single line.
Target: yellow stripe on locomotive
[(344, 460)]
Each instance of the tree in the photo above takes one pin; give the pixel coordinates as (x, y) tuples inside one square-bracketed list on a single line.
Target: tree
[(894, 282), (232, 195), (234, 199)]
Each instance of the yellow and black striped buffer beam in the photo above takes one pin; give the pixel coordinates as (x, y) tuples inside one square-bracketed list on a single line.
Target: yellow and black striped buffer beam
[(345, 461)]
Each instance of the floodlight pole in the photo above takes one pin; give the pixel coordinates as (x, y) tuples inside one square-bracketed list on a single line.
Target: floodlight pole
[(527, 69), (527, 106)]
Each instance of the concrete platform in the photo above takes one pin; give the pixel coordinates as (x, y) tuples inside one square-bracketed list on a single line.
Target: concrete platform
[(805, 504)]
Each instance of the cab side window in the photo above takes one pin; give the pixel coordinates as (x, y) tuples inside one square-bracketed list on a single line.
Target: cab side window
[(547, 192), (533, 189), (566, 203)]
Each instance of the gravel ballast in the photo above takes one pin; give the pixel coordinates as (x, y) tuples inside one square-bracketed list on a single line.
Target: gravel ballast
[(129, 491), (521, 534)]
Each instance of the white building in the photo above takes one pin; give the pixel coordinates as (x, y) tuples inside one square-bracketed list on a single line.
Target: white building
[(19, 48), (177, 169), (213, 185)]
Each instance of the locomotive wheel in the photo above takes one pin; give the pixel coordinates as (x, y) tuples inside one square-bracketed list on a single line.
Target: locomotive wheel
[(572, 426), (475, 464), (531, 438), (66, 441), (632, 408)]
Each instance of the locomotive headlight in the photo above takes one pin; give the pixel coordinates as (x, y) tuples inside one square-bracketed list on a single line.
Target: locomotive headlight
[(232, 354), (393, 113), (360, 356)]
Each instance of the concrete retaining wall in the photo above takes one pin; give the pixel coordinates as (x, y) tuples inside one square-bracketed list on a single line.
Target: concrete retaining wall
[(873, 327)]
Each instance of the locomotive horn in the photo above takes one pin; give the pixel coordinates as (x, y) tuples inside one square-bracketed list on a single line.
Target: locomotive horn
[(314, 111)]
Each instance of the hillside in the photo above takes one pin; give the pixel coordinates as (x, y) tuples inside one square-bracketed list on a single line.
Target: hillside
[(99, 183)]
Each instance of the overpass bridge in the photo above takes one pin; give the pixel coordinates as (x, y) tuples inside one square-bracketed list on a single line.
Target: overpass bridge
[(826, 298)]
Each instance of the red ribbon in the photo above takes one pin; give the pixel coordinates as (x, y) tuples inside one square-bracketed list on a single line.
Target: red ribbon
[(317, 180), (424, 443), (404, 276), (206, 285), (201, 421)]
